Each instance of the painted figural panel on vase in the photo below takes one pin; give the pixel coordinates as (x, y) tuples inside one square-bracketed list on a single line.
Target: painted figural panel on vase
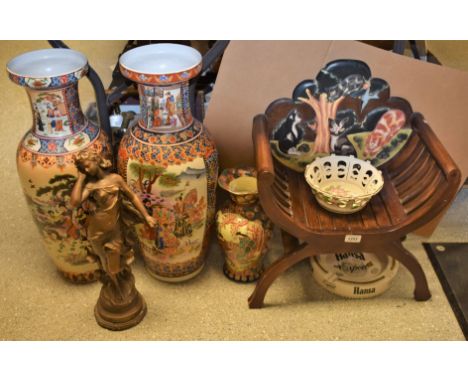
[(176, 183), (177, 197)]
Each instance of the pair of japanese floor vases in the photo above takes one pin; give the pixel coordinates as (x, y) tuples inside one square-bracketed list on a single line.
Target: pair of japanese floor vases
[(167, 158)]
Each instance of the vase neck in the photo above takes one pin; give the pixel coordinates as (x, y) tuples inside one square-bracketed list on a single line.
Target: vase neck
[(244, 200), (165, 108), (57, 112)]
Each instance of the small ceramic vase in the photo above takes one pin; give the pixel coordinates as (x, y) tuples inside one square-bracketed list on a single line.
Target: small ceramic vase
[(45, 156), (169, 160), (243, 228)]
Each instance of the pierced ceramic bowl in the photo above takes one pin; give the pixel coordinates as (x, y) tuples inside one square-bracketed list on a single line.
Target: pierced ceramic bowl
[(354, 274), (343, 184)]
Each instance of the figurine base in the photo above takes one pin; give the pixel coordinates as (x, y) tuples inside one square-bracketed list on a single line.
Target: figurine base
[(120, 306), (241, 277), (176, 279), (121, 320)]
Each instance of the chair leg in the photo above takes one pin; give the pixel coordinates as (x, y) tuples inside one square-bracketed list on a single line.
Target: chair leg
[(398, 252), (273, 271), (290, 243)]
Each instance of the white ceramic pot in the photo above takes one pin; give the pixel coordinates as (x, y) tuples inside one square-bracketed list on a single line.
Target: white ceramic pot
[(354, 274)]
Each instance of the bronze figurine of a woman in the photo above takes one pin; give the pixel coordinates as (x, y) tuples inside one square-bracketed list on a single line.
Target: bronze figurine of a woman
[(101, 194)]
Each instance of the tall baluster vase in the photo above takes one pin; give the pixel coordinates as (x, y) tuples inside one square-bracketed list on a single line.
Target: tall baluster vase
[(45, 155), (169, 160)]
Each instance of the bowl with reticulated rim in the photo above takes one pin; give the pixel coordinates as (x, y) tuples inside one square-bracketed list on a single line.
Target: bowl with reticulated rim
[(343, 184)]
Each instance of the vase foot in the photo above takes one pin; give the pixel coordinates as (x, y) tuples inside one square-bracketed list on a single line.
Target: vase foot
[(80, 278), (177, 279), (241, 277), (124, 319)]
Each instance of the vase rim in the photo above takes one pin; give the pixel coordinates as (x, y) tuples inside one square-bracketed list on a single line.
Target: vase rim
[(228, 175), (159, 64), (47, 68)]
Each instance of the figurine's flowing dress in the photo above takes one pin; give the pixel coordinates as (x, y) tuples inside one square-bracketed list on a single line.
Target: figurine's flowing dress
[(103, 226)]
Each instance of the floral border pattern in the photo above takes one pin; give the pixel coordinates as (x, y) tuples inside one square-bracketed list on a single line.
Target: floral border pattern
[(56, 146), (161, 138), (47, 160), (161, 79), (49, 82), (163, 155)]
